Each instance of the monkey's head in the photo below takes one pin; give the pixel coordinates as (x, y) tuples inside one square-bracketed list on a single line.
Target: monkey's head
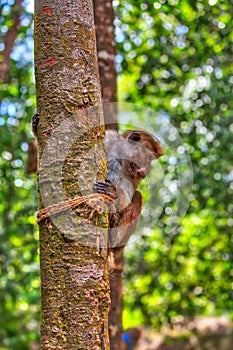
[(144, 148)]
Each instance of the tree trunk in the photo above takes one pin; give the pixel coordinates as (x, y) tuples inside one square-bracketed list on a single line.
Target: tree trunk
[(106, 48), (75, 290)]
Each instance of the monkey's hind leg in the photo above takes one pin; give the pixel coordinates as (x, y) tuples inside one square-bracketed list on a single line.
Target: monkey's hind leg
[(122, 225)]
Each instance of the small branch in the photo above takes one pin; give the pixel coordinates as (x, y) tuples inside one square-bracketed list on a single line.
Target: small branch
[(9, 42)]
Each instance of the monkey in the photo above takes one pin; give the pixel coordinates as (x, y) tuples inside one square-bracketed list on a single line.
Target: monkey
[(129, 158)]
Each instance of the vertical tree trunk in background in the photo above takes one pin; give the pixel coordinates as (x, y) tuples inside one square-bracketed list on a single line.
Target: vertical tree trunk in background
[(9, 42), (106, 48), (75, 290)]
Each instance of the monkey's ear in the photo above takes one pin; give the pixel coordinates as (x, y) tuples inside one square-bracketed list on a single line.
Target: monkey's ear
[(134, 136)]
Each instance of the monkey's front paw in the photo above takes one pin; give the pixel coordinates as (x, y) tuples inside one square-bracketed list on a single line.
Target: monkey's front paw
[(107, 188), (35, 122)]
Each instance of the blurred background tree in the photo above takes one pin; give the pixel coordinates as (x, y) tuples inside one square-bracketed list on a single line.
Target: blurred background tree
[(176, 58)]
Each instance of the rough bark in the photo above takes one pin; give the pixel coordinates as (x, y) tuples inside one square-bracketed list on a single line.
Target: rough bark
[(9, 42), (32, 157), (106, 48), (75, 290)]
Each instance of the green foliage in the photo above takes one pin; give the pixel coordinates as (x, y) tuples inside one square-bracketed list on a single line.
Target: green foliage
[(176, 57), (19, 285)]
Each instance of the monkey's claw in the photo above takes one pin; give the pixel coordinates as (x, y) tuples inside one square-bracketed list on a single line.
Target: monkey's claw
[(106, 187)]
